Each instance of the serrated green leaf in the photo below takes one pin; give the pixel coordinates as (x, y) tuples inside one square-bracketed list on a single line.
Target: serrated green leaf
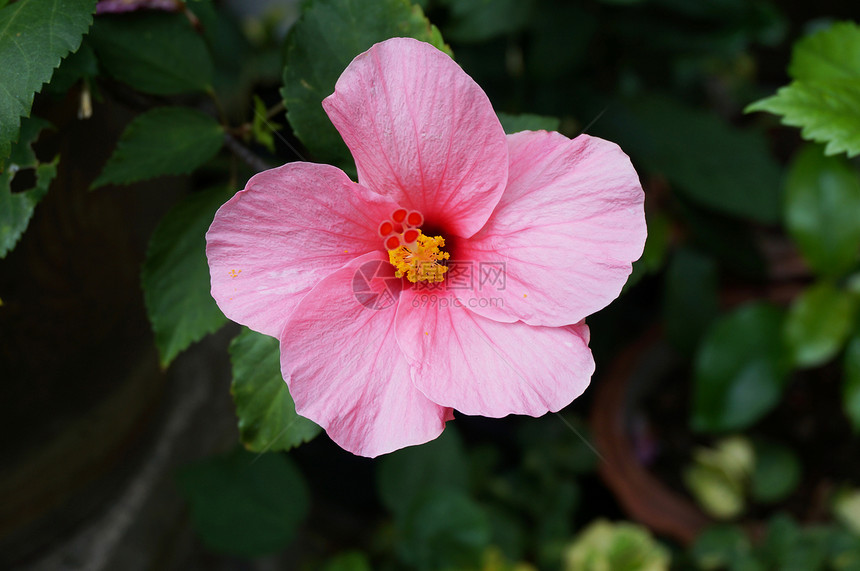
[(78, 65), (329, 34), (245, 504), (833, 53), (154, 52), (825, 112), (34, 36), (740, 369), (266, 411), (164, 141), (175, 275), (851, 383), (821, 205), (527, 122), (818, 324), (16, 209), (824, 98)]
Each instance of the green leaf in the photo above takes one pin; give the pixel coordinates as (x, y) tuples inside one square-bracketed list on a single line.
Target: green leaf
[(777, 472), (78, 65), (818, 324), (175, 275), (690, 298), (16, 208), (444, 529), (718, 476), (851, 386), (826, 112), (740, 369), (403, 475), (266, 411), (821, 205), (481, 20), (656, 247), (329, 34), (824, 98), (528, 122), (706, 159), (721, 546), (616, 546), (245, 504), (350, 561), (163, 141), (154, 52), (34, 36), (833, 53)]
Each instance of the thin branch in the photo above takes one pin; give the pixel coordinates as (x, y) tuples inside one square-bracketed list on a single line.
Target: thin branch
[(244, 153)]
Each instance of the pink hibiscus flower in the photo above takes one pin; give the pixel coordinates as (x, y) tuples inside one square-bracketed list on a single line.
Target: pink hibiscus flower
[(456, 274)]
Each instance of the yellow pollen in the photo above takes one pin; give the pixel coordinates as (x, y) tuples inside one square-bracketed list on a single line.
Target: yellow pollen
[(420, 261)]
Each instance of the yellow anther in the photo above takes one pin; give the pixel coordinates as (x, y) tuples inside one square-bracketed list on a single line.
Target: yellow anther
[(420, 261)]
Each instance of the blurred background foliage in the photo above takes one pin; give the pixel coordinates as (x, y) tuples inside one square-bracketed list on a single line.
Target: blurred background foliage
[(728, 371)]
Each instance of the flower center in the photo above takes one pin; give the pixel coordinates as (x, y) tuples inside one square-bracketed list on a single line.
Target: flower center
[(414, 255)]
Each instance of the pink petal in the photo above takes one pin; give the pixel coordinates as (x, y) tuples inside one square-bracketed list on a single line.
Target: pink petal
[(483, 367), (291, 227), (564, 234), (346, 371), (422, 132)]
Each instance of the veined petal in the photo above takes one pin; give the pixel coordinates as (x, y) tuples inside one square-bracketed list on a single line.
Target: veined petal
[(564, 234), (345, 370), (483, 367), (289, 228), (422, 132)]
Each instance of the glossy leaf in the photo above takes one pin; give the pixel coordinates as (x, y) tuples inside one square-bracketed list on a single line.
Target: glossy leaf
[(321, 44), (164, 141), (818, 323), (740, 369), (851, 386), (34, 36), (245, 504), (154, 52), (821, 210), (266, 411), (16, 208), (175, 276), (527, 122)]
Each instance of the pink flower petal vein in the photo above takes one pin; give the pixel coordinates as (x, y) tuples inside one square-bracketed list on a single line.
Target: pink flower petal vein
[(456, 274)]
